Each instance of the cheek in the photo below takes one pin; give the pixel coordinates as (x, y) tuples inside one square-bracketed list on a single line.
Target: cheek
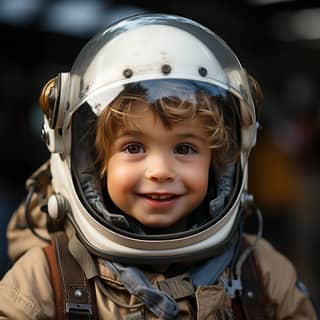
[(197, 178), (120, 178), (200, 183), (115, 174), (115, 177)]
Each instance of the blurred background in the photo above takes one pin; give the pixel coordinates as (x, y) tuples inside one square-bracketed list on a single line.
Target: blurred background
[(277, 41)]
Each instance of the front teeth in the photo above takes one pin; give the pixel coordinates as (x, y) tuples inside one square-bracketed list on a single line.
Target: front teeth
[(159, 197)]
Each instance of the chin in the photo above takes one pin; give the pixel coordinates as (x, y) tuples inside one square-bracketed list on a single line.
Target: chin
[(157, 225), (150, 223)]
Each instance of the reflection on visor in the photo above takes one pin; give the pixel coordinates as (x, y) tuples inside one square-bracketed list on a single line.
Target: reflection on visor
[(185, 90), (152, 91)]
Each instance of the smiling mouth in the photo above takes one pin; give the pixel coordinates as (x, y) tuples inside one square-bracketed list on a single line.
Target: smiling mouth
[(160, 197)]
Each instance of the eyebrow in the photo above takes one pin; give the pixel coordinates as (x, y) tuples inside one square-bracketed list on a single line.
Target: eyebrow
[(127, 132), (137, 133), (192, 136)]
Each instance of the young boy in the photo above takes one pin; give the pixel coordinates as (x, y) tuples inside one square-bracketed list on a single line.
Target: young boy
[(149, 137)]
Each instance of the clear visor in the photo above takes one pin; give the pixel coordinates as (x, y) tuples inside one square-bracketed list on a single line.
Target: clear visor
[(85, 169), (155, 91)]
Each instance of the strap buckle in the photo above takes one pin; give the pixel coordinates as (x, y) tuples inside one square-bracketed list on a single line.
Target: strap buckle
[(232, 286), (76, 310), (178, 287)]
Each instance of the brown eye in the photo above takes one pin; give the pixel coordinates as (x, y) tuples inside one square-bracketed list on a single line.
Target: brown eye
[(185, 149), (134, 148)]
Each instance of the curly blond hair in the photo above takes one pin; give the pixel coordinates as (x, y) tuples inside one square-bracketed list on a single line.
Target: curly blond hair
[(221, 130)]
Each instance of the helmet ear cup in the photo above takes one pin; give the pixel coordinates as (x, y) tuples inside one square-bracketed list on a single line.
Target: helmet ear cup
[(52, 99), (49, 100), (53, 102)]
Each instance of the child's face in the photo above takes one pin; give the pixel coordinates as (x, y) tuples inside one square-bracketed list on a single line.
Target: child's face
[(155, 174)]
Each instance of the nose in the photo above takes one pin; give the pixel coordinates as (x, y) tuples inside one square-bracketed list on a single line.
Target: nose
[(159, 169)]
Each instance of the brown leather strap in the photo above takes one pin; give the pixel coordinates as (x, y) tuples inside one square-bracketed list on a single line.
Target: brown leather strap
[(74, 298), (55, 280), (253, 302)]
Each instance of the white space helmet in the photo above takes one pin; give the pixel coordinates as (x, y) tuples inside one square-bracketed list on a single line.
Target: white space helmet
[(160, 53)]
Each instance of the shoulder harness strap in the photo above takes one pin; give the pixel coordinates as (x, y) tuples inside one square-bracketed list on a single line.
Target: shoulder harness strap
[(253, 301), (74, 295)]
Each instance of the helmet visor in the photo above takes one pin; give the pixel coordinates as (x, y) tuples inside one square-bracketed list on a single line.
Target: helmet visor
[(90, 186)]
